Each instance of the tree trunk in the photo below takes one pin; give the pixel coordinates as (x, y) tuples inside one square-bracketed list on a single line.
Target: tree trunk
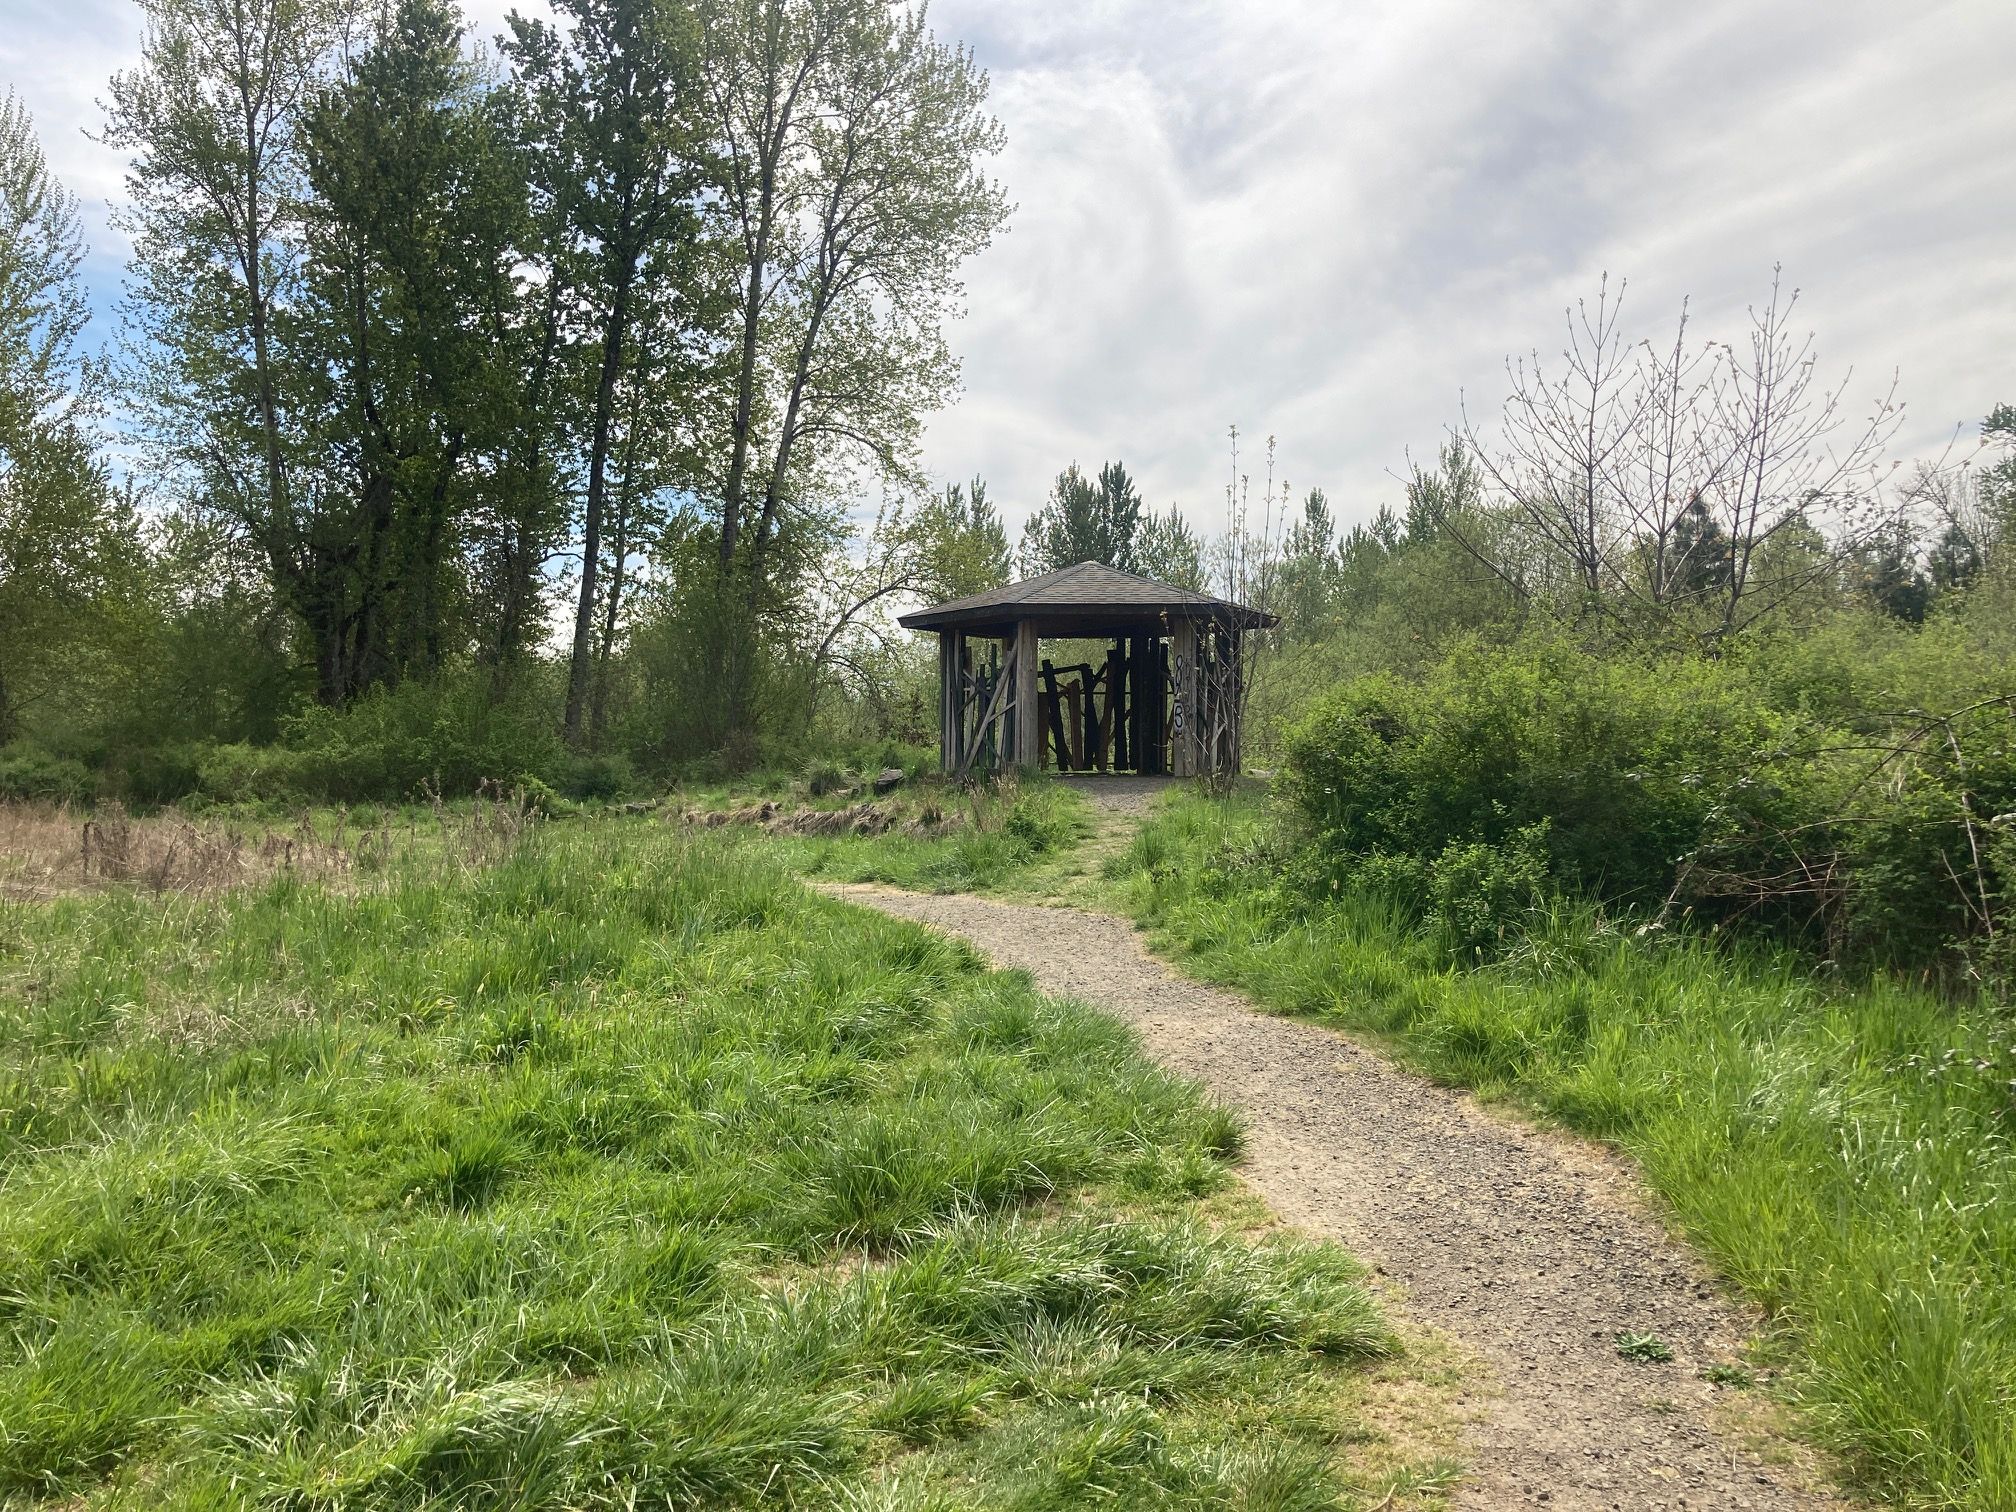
[(434, 549), (745, 391), (520, 559), (612, 603), (776, 132), (278, 537), (581, 664)]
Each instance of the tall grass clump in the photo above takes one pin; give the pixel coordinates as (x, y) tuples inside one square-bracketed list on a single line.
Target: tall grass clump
[(1840, 1146), (621, 1171)]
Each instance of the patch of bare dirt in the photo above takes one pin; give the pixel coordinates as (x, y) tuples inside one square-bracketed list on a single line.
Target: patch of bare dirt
[(1531, 1251), (1119, 794)]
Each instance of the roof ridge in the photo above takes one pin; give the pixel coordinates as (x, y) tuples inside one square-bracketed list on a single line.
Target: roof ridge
[(1126, 572), (1094, 587)]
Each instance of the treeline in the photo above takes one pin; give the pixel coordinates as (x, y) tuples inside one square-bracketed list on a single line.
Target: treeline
[(535, 386)]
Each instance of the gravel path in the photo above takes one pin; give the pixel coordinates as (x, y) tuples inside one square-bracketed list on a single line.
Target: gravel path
[(1119, 793), (1531, 1251)]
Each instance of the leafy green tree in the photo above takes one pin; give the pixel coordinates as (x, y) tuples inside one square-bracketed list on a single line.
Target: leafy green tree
[(65, 535), (1168, 550), (963, 544), (1953, 560), (410, 237), (1453, 488), (1998, 479), (1309, 567), (1885, 569), (1085, 520), (618, 100), (853, 186), (1695, 556), (211, 119)]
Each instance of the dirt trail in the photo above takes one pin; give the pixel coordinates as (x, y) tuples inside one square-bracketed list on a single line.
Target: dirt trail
[(1531, 1251)]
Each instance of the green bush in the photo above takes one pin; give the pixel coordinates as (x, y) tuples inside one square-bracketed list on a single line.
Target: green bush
[(825, 776), (28, 773), (253, 774), (1625, 762), (153, 775), (608, 776), (449, 735), (1745, 791), (1484, 894)]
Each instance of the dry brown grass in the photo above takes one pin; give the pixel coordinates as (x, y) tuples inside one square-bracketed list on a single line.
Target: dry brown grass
[(50, 850)]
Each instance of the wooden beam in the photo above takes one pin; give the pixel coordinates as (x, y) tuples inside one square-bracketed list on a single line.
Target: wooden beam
[(948, 704), (1183, 711), (992, 712), (1056, 718), (1141, 653), (1122, 714), (1101, 733), (1028, 722)]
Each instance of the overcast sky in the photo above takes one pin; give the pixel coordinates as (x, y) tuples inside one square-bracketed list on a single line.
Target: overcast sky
[(1325, 221)]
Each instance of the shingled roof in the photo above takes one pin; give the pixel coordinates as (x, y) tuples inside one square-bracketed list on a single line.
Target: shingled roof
[(1085, 599)]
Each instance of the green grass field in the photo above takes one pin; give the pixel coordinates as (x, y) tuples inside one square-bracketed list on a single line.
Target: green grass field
[(1842, 1151), (624, 1171)]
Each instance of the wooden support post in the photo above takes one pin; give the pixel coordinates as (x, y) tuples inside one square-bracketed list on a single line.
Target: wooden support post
[(948, 704), (1164, 747), (962, 674), (1028, 724), (1101, 733), (1122, 713), (1143, 657), (1183, 711), (1074, 695), (1095, 720), (1055, 717)]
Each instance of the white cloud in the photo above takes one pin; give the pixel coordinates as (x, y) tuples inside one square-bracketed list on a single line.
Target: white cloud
[(1324, 220)]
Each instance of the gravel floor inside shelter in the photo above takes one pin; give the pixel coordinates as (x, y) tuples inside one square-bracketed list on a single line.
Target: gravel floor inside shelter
[(1532, 1251)]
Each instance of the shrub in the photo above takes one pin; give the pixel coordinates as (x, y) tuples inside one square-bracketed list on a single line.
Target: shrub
[(253, 774), (826, 776), (449, 734), (29, 773), (1624, 761), (607, 776), (153, 775), (1744, 794), (1484, 893)]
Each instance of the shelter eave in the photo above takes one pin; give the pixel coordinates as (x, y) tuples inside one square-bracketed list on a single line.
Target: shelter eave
[(1090, 618)]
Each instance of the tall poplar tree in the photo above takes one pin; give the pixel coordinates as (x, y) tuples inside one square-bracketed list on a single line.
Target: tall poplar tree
[(613, 103), (411, 236), (854, 186), (63, 532), (211, 119)]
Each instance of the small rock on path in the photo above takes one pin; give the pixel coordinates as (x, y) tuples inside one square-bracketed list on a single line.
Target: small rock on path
[(1532, 1251)]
